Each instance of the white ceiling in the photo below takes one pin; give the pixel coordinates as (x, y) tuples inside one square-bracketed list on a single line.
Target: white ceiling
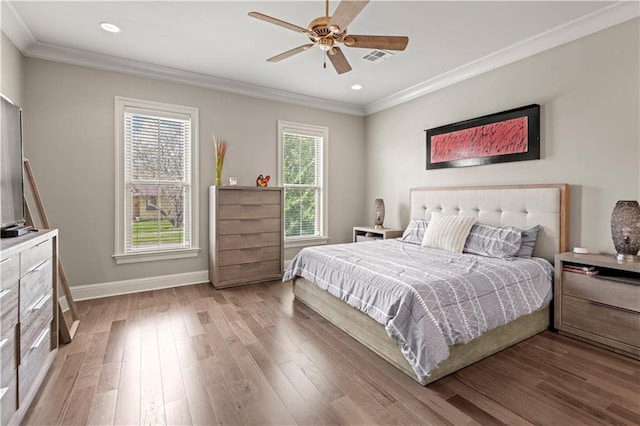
[(215, 43)]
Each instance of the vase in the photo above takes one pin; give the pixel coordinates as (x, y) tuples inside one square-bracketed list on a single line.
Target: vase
[(218, 180), (378, 204), (625, 229)]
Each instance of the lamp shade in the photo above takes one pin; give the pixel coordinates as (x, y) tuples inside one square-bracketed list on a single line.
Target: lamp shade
[(625, 229)]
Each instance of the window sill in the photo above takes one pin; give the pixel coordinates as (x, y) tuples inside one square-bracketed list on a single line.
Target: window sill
[(306, 242), (155, 255)]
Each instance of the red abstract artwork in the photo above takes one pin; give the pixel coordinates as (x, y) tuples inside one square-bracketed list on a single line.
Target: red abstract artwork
[(505, 137)]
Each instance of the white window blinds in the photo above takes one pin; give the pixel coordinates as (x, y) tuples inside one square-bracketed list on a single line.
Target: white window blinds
[(302, 178), (157, 180)]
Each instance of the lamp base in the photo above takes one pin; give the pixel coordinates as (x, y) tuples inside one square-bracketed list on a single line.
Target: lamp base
[(628, 257), (378, 227)]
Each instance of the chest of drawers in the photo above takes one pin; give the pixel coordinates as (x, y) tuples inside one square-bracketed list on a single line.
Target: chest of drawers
[(246, 228), (28, 319)]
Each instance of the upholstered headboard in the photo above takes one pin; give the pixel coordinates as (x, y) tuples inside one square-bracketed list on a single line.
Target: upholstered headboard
[(517, 205)]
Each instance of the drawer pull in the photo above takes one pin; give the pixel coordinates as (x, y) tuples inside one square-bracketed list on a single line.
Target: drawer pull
[(3, 342), (40, 338), (4, 292), (41, 266), (617, 308), (40, 302), (42, 243), (3, 391), (5, 260)]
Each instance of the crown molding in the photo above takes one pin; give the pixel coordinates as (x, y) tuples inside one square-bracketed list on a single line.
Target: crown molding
[(599, 20), (15, 29)]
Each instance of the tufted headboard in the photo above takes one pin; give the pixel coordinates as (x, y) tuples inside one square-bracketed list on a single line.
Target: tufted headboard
[(513, 205)]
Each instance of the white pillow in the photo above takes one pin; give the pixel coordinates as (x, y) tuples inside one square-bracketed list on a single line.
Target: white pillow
[(447, 232)]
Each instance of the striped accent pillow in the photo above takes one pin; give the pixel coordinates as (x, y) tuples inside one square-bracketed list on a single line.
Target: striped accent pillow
[(490, 241), (447, 232)]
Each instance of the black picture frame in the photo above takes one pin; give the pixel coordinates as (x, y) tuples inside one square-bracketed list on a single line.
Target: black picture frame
[(531, 151)]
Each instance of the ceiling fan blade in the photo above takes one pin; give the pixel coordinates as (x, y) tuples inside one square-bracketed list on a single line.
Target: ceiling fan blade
[(289, 53), (338, 60), (376, 42), (346, 11), (278, 22)]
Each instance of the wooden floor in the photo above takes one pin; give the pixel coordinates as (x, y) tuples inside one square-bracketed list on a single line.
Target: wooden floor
[(251, 355)]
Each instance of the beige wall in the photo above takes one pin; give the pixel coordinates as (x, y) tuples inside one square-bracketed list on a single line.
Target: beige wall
[(12, 71), (589, 94), (69, 139)]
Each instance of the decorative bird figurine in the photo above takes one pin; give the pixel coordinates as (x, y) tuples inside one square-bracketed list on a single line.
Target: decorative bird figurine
[(263, 181)]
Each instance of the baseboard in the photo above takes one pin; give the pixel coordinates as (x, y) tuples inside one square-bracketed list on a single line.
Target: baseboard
[(116, 288)]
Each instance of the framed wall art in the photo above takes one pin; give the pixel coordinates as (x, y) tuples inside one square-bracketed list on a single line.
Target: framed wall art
[(512, 135)]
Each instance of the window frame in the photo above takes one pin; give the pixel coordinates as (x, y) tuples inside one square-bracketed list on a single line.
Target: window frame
[(122, 204), (311, 130)]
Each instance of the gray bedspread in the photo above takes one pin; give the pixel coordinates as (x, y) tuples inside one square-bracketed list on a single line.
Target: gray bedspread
[(427, 299)]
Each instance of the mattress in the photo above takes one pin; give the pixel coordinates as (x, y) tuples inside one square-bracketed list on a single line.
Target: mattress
[(427, 299)]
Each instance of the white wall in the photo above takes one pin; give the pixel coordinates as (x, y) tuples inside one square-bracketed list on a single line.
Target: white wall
[(589, 93), (69, 139), (12, 70)]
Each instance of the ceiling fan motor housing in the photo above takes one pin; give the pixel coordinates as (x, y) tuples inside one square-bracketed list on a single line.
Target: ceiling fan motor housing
[(320, 27)]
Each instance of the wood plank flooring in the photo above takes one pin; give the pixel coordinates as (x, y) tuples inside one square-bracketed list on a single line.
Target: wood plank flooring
[(251, 355)]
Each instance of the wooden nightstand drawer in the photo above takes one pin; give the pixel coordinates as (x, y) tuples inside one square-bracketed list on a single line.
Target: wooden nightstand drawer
[(249, 226), (34, 256), (36, 283), (9, 271), (33, 358), (248, 255), (614, 293), (8, 399), (602, 320)]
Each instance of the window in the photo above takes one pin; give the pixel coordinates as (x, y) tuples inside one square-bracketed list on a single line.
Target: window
[(301, 170), (156, 181)]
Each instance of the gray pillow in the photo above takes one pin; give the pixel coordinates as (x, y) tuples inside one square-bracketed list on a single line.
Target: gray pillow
[(485, 240), (414, 233), (529, 236)]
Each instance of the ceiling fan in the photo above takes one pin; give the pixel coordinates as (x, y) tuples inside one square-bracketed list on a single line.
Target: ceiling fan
[(327, 32)]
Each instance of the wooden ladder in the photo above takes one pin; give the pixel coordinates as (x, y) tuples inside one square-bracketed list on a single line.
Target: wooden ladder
[(67, 331)]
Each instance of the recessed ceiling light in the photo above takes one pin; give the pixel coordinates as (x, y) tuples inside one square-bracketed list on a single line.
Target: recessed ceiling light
[(112, 28), (356, 87)]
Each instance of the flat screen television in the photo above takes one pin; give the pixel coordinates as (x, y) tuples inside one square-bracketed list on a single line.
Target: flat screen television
[(11, 175)]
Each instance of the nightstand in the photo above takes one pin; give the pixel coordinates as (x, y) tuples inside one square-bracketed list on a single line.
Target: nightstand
[(602, 309), (369, 233)]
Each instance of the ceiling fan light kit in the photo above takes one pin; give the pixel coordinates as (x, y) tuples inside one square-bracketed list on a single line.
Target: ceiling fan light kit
[(328, 31)]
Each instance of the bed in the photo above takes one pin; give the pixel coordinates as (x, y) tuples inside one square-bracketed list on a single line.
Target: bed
[(518, 206)]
